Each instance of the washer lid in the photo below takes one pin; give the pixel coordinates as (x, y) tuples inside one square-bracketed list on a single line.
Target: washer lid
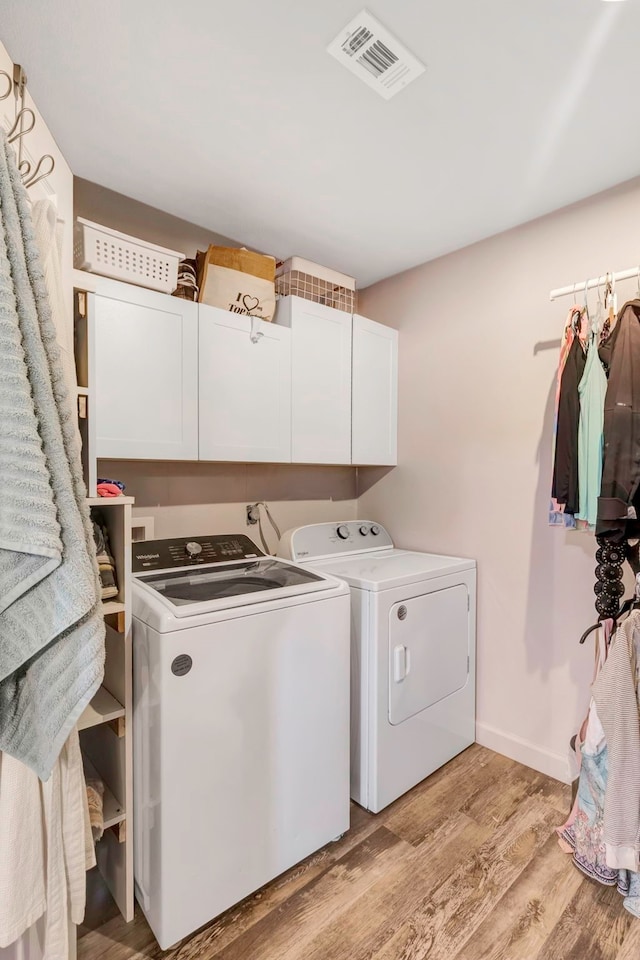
[(191, 592), (392, 568)]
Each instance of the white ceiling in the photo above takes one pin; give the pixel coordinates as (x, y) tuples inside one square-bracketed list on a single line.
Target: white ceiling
[(233, 116)]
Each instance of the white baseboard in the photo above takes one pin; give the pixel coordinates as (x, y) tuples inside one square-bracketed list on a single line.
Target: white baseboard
[(552, 764)]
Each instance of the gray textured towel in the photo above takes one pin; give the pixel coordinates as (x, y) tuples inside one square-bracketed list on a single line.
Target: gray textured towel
[(52, 633), (28, 551)]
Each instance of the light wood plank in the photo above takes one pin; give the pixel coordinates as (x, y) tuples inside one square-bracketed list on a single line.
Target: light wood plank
[(231, 924), (500, 799), (110, 501), (630, 949), (112, 606), (592, 927), (119, 940), (443, 920), (417, 815), (373, 920), (519, 925), (288, 931)]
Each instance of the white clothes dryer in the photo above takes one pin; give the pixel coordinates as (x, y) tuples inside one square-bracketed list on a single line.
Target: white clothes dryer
[(413, 653), (241, 723)]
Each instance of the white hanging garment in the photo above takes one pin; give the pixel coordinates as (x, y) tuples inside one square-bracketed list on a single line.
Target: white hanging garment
[(49, 231), (46, 848)]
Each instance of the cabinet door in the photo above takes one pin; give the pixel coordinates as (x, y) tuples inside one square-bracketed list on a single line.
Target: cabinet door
[(245, 388), (375, 393), (144, 381), (320, 381)]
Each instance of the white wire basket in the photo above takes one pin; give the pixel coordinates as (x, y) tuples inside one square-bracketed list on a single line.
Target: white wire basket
[(311, 281), (109, 253)]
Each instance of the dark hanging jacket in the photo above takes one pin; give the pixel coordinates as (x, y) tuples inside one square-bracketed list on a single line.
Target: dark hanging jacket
[(619, 501), (564, 488)]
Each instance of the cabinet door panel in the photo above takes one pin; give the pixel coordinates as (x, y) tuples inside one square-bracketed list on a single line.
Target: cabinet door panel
[(245, 389), (375, 393), (320, 381), (145, 376)]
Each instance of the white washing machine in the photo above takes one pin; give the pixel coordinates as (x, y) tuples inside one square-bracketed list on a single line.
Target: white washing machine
[(241, 723), (413, 653)]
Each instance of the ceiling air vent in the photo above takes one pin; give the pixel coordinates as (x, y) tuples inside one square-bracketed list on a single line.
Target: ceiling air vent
[(367, 49)]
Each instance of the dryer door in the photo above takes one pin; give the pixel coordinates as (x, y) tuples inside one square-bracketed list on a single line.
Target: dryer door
[(428, 650)]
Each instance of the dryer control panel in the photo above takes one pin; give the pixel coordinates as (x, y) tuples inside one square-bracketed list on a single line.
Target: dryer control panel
[(333, 540), (191, 551)]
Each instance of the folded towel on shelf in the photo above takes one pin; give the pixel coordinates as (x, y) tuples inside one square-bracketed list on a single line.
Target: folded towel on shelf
[(107, 489), (52, 649), (116, 483), (95, 798), (106, 563)]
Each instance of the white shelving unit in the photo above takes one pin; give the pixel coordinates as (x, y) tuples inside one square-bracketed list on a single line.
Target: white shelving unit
[(106, 726), (104, 708), (113, 812)]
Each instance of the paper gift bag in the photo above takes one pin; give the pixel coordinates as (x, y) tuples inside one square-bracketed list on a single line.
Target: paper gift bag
[(238, 280)]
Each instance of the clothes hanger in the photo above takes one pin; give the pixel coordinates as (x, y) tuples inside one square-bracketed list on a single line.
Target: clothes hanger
[(601, 324), (3, 73), (42, 170), (576, 313), (46, 164), (632, 603), (590, 630), (18, 130), (613, 297), (593, 324)]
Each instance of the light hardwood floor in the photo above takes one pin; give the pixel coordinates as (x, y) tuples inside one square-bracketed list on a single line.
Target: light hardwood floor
[(464, 867)]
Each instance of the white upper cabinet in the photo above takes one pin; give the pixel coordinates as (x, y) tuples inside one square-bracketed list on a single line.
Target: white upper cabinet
[(245, 388), (375, 393), (320, 381), (145, 373), (175, 380)]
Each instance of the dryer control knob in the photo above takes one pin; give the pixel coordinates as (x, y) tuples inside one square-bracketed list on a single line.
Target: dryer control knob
[(343, 531), (364, 531), (193, 548), (375, 530)]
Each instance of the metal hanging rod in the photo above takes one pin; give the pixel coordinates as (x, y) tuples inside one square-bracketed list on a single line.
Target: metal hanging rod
[(576, 288)]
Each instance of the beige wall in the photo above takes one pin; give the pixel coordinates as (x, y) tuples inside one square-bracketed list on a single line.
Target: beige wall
[(114, 210), (187, 499), (196, 519), (479, 344)]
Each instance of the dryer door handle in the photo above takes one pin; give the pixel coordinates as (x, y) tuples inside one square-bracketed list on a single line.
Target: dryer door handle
[(401, 662)]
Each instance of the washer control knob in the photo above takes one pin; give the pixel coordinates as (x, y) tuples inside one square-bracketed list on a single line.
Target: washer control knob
[(375, 530), (364, 531), (343, 531), (193, 548)]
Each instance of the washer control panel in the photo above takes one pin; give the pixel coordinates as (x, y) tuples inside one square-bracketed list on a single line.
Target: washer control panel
[(333, 539), (191, 551)]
